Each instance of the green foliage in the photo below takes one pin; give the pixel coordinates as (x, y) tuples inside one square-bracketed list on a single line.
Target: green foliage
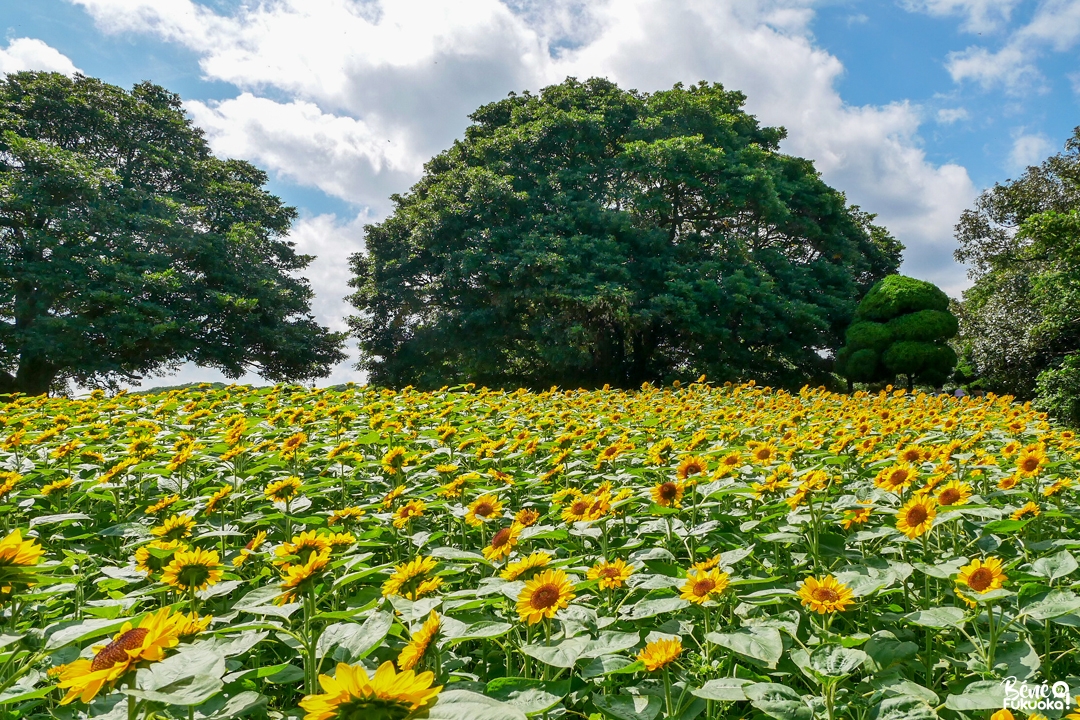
[(1022, 242), (1059, 391), (590, 235), (901, 329), (126, 247)]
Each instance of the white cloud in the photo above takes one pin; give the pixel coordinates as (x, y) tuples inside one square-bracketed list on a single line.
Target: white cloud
[(1055, 26), (33, 54), (1028, 149), (324, 84), (979, 15), (947, 116)]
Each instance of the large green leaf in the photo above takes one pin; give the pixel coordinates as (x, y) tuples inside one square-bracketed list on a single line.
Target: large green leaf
[(902, 708), (1055, 566), (726, 689), (628, 707), (835, 661), (563, 654), (466, 705), (528, 695), (762, 644), (937, 617), (778, 701), (349, 642)]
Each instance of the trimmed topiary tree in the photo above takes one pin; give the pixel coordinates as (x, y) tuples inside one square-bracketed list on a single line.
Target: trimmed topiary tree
[(901, 327)]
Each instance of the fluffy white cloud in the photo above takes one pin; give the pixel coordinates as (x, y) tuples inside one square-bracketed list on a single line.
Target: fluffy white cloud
[(352, 96), (1028, 149), (979, 15), (947, 116), (32, 54), (1055, 26)]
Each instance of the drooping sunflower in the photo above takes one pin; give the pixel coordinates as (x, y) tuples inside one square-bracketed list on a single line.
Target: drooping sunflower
[(519, 568), (544, 595), (484, 509), (612, 574), (56, 486), (192, 570), (660, 653), (252, 546), (156, 633), (981, 576), (413, 653), (345, 515), (827, 595), (388, 695), (301, 576), (1030, 508), (215, 499), (340, 540), (703, 585), (413, 580), (283, 490), (301, 546), (691, 465), (954, 492), (668, 494), (175, 527), (148, 561), (503, 542), (393, 460), (916, 516), (407, 512), (1056, 487)]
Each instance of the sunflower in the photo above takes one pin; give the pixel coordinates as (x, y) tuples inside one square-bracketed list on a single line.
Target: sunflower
[(413, 653), (519, 568), (1056, 487), (855, 517), (388, 695), (340, 540), (393, 460), (454, 488), (668, 494), (413, 580), (217, 497), (954, 492), (16, 552), (691, 465), (544, 595), (156, 633), (1008, 482), (56, 486), (503, 542), (896, 478), (526, 517), (912, 454), (192, 570), (345, 515), (612, 574), (660, 653), (301, 546), (713, 562), (283, 490), (192, 625), (732, 460), (253, 545), (1031, 460), (405, 514), (175, 527), (827, 595), (149, 562), (763, 454), (702, 585), (483, 509), (302, 576), (981, 576), (916, 516), (1030, 508)]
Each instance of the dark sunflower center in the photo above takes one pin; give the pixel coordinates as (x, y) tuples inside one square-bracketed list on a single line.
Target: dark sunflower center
[(981, 579), (544, 597), (579, 507), (669, 491), (1029, 464), (916, 515), (501, 538), (899, 477), (704, 587), (693, 469), (609, 572), (948, 496), (116, 651), (483, 509), (825, 595)]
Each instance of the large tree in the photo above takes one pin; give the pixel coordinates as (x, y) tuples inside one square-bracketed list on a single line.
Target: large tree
[(126, 247), (591, 235), (1021, 318)]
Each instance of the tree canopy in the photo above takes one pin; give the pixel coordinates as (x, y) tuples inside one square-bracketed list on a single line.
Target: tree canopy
[(1021, 318), (591, 235), (127, 248), (901, 328)]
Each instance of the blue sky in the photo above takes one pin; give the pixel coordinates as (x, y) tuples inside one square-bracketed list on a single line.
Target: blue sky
[(911, 107)]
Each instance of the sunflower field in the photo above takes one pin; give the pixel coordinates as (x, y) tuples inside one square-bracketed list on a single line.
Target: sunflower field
[(683, 552)]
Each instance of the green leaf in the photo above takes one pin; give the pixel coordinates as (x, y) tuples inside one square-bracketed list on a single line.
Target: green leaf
[(466, 705), (606, 664), (1019, 658), (1055, 566), (979, 695), (778, 701), (762, 644), (66, 633), (628, 707), (192, 690), (484, 629), (902, 708), (652, 608), (224, 708), (1051, 605), (937, 617), (563, 655), (884, 649), (610, 642), (725, 689), (835, 661), (350, 642), (530, 696)]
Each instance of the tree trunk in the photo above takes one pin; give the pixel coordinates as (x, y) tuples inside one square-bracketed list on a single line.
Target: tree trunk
[(35, 375)]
